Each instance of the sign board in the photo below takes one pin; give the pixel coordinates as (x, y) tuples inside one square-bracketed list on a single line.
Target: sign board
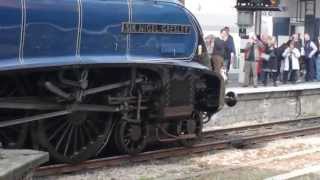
[(245, 18), (258, 5)]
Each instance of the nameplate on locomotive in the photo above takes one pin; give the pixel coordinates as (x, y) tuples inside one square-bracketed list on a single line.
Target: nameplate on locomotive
[(153, 28)]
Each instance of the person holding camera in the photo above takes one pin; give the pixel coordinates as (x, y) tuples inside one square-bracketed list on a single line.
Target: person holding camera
[(291, 63), (252, 56)]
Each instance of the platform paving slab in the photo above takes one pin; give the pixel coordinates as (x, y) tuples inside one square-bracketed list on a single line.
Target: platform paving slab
[(19, 164)]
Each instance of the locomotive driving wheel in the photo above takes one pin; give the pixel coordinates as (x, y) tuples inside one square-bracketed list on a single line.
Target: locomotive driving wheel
[(75, 137), (80, 135), (130, 138), (191, 126)]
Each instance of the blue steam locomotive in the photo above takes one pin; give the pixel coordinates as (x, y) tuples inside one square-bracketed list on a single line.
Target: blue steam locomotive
[(78, 76)]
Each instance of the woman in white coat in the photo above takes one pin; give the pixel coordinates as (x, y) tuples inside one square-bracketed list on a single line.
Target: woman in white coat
[(291, 63)]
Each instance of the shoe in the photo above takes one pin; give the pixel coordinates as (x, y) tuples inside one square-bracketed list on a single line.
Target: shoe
[(255, 86), (275, 84)]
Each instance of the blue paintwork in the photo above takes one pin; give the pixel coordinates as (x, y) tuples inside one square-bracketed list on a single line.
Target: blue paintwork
[(161, 45), (51, 30), (101, 33), (65, 32), (10, 20)]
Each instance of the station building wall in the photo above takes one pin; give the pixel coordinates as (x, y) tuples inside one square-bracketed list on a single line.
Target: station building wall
[(293, 20)]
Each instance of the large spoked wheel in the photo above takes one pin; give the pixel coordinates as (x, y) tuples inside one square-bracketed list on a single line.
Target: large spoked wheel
[(193, 125), (75, 137), (130, 138)]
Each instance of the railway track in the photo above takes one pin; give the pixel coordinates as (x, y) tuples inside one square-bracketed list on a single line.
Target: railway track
[(212, 140)]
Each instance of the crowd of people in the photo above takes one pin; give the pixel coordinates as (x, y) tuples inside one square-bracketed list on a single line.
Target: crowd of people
[(292, 61), (295, 60)]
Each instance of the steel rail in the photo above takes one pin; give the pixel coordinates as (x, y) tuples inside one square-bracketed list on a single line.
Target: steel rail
[(263, 125), (182, 151)]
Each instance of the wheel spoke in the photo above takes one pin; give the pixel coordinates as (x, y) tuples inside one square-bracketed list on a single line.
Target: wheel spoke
[(75, 143), (62, 137), (68, 141), (58, 130)]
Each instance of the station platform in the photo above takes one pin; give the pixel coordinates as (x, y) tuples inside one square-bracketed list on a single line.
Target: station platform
[(19, 164), (270, 104), (280, 88)]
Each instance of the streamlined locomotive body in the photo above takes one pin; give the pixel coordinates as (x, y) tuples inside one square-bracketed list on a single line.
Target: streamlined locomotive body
[(79, 75)]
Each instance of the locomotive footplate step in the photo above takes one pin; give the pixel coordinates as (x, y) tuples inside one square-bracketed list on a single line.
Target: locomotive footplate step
[(19, 164)]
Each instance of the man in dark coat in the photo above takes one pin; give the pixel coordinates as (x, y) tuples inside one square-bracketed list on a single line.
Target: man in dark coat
[(218, 52), (230, 51), (310, 50)]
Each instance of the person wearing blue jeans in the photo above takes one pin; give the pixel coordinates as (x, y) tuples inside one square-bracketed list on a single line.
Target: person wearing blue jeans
[(310, 50)]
